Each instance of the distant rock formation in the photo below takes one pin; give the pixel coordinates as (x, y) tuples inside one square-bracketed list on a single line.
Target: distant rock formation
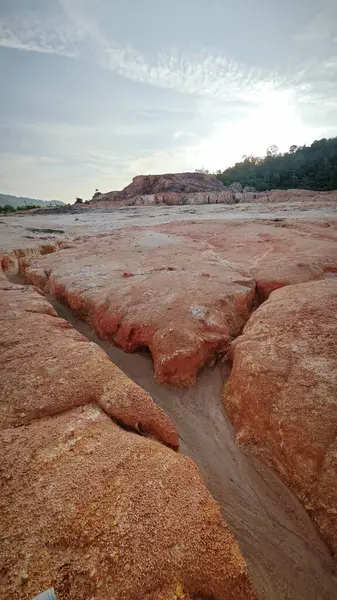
[(171, 182), (170, 185), (195, 188)]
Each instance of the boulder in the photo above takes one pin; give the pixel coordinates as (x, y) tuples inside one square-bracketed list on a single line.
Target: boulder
[(282, 393)]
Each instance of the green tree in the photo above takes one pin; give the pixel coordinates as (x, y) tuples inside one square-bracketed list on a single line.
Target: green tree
[(312, 167)]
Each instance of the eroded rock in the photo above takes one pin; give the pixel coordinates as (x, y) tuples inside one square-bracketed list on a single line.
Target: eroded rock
[(96, 511), (171, 182), (281, 394), (166, 305), (86, 506), (274, 254), (48, 368), (184, 290)]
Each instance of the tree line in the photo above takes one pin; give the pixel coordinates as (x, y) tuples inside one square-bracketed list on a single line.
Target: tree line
[(8, 208), (308, 167)]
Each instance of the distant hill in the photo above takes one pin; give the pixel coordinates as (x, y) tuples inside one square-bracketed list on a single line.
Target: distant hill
[(16, 201)]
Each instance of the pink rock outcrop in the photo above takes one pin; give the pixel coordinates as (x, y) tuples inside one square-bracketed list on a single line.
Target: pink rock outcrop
[(282, 393), (51, 368), (151, 290), (183, 290), (171, 182), (96, 511), (86, 506), (197, 188)]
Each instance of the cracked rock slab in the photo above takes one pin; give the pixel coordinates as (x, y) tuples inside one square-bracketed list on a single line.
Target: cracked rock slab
[(282, 393), (48, 368), (97, 511), (138, 292)]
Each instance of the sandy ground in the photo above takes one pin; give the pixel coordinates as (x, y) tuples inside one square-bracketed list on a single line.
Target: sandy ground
[(286, 557), (22, 231)]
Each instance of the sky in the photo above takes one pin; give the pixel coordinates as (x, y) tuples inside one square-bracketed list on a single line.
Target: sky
[(94, 92)]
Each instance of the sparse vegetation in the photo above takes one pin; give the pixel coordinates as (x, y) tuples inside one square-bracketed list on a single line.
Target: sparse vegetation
[(10, 209)]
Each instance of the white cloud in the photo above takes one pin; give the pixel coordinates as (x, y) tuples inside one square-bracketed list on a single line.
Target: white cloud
[(200, 73), (75, 34), (26, 31)]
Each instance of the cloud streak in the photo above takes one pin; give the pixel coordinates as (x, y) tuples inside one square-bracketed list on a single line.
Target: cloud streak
[(25, 30), (198, 73)]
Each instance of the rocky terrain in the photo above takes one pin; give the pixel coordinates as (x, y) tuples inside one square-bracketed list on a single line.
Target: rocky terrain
[(171, 182), (281, 394), (195, 189), (87, 504), (169, 189), (95, 498), (184, 291)]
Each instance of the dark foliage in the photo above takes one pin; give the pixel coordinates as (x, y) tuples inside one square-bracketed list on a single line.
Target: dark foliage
[(308, 167), (9, 208)]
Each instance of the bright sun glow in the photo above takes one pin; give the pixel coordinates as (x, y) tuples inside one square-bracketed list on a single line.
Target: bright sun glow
[(274, 120)]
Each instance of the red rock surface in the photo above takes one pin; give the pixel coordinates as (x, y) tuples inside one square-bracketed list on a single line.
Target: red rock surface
[(152, 290), (282, 393), (99, 512), (51, 368), (87, 507), (274, 254), (171, 182), (182, 290)]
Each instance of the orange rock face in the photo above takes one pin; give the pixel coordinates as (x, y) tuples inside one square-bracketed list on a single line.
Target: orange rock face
[(182, 290), (282, 393), (51, 368), (151, 290), (273, 254), (87, 507), (99, 512)]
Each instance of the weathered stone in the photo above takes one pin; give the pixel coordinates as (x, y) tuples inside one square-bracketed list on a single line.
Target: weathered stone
[(87, 507), (168, 305), (96, 511), (281, 395), (171, 182), (274, 254), (49, 368)]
